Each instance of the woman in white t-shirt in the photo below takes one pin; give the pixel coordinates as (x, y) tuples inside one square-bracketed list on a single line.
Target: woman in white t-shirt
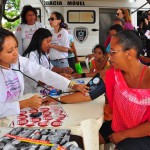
[(37, 51), (60, 41), (26, 29)]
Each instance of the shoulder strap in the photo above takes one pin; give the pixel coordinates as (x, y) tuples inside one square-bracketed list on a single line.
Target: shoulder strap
[(93, 64), (142, 74)]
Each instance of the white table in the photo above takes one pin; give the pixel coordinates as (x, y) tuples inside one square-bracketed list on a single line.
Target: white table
[(76, 112), (82, 111), (77, 115)]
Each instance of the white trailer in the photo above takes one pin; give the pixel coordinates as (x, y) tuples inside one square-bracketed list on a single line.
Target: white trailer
[(88, 20)]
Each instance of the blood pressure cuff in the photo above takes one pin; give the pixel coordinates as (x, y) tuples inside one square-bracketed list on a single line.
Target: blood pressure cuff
[(96, 86)]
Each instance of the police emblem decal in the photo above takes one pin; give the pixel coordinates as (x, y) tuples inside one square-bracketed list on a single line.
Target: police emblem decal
[(81, 34)]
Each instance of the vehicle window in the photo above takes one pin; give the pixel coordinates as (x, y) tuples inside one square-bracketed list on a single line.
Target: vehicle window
[(81, 16)]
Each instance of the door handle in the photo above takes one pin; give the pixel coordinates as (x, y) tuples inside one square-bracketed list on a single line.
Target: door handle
[(94, 30)]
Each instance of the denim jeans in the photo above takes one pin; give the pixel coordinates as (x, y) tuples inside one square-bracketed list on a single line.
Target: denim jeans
[(62, 63)]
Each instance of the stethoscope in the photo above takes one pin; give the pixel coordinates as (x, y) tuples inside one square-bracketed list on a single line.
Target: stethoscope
[(47, 95)]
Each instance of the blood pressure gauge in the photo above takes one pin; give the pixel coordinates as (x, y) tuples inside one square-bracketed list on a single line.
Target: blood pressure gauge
[(96, 80)]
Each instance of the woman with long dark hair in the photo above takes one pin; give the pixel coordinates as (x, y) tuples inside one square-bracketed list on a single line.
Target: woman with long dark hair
[(60, 41), (37, 51)]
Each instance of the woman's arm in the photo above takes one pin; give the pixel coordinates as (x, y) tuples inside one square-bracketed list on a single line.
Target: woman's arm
[(139, 131), (64, 43), (13, 108), (144, 59), (49, 77), (40, 73), (73, 49), (59, 48), (67, 70), (76, 97), (103, 63), (34, 102), (57, 70), (91, 74), (136, 132)]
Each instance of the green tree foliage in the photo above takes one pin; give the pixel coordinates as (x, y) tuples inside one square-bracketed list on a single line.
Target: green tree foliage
[(11, 14)]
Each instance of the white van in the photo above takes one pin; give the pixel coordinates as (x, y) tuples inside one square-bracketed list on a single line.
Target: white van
[(88, 20)]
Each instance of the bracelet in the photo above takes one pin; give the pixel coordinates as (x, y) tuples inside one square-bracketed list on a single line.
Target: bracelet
[(71, 84), (83, 75)]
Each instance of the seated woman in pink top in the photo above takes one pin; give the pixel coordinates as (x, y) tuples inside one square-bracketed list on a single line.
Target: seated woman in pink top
[(128, 93)]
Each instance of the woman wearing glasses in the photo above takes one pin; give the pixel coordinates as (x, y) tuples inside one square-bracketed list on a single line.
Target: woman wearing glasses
[(128, 92), (60, 42), (26, 29), (124, 14)]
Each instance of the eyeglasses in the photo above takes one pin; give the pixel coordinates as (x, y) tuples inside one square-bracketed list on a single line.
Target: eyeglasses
[(52, 19), (113, 52)]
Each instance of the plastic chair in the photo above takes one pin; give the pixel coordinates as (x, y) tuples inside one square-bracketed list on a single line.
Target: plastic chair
[(87, 62)]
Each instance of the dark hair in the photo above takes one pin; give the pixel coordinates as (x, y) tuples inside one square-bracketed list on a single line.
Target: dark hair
[(101, 47), (36, 41), (25, 9), (59, 16), (129, 40), (3, 34), (116, 27), (65, 26), (119, 19)]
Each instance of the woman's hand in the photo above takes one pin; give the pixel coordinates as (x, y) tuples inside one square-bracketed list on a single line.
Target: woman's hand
[(76, 75), (116, 137), (48, 100), (35, 102), (68, 76), (81, 87), (51, 45), (67, 70)]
